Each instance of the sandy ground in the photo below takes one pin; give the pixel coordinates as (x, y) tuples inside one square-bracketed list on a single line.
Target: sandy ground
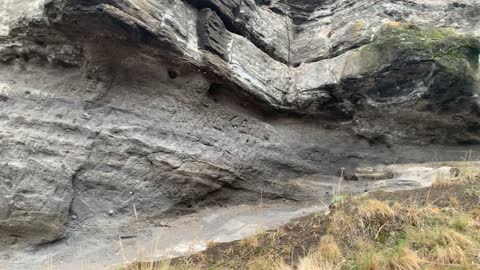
[(181, 236)]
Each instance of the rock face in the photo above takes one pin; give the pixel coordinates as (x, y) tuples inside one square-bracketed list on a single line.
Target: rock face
[(171, 104)]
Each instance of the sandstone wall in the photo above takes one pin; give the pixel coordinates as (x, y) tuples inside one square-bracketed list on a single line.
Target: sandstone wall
[(172, 104)]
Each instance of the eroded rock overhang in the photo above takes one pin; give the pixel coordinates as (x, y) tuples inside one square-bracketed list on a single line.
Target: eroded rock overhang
[(268, 50), (105, 104)]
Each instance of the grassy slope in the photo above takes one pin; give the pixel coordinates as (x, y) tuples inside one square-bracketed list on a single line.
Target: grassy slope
[(435, 228)]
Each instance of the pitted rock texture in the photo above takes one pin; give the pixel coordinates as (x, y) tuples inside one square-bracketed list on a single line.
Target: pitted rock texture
[(169, 105)]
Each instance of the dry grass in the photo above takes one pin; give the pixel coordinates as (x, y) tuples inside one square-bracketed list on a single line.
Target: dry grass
[(405, 259), (378, 235), (430, 238), (454, 201), (327, 256), (368, 260), (211, 244), (371, 210), (360, 233), (427, 239), (460, 175), (329, 250), (461, 222), (251, 242), (449, 255), (475, 214), (315, 262), (267, 263)]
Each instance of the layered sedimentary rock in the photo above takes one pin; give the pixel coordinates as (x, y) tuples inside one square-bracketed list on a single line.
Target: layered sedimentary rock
[(169, 104)]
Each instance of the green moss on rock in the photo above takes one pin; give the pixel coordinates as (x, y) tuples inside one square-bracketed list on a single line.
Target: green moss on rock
[(454, 56), (444, 45)]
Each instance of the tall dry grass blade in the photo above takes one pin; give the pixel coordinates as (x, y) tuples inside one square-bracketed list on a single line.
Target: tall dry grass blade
[(122, 250)]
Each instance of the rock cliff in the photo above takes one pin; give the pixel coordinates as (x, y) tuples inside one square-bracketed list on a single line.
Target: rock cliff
[(173, 104)]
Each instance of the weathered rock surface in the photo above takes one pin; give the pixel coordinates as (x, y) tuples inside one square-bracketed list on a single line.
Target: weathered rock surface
[(171, 104)]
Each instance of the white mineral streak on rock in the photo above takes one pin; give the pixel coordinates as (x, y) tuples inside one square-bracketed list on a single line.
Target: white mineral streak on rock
[(12, 10)]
